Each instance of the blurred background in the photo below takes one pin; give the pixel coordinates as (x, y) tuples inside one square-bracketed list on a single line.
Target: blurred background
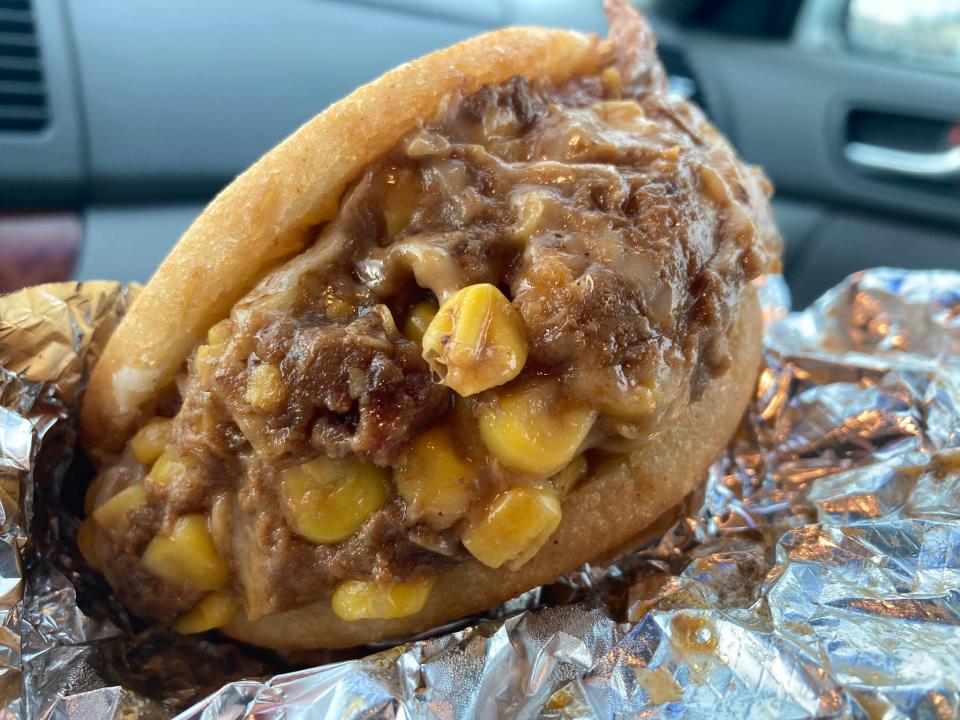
[(120, 120)]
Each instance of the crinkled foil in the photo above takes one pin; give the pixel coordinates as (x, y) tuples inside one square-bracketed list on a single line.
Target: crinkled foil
[(816, 575)]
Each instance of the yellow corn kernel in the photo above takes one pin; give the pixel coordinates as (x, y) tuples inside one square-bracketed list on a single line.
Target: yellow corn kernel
[(213, 611), (528, 431), (621, 114), (218, 334), (203, 362), (400, 202), (612, 81), (357, 600), (151, 440), (573, 473), (418, 319), (529, 207), (264, 387), (476, 341), (629, 430), (628, 401), (714, 186), (327, 500), (514, 527), (170, 468), (432, 479), (187, 557), (87, 542), (356, 382), (339, 309), (114, 513)]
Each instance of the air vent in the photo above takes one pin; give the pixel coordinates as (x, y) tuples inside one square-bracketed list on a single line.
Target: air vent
[(23, 98)]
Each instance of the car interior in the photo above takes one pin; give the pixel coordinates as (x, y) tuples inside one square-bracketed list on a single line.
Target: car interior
[(119, 121)]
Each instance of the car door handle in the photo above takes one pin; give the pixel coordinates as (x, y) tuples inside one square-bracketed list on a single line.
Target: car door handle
[(939, 166)]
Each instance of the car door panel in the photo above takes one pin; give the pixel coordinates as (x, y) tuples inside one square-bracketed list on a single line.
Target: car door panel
[(788, 109)]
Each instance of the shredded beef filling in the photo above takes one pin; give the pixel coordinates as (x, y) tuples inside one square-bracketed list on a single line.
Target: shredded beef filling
[(613, 217)]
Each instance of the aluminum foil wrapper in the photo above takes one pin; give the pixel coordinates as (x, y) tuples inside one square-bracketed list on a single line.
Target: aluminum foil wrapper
[(816, 575)]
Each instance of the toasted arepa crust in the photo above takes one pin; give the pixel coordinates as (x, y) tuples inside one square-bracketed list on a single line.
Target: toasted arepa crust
[(267, 214)]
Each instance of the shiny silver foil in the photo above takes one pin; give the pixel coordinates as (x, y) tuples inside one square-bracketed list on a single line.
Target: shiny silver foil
[(816, 575)]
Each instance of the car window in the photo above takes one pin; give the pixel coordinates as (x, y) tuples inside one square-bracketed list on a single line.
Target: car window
[(925, 33)]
